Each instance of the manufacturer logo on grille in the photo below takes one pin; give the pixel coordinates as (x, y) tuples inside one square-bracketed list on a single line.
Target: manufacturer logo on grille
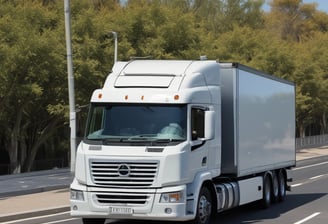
[(123, 170)]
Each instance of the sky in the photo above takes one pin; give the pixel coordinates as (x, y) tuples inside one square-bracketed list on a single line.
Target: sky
[(322, 5)]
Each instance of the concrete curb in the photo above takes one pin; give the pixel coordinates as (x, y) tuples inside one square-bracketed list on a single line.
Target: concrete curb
[(33, 191), (33, 213)]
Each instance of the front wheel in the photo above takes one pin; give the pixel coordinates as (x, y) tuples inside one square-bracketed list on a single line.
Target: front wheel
[(93, 221), (204, 207)]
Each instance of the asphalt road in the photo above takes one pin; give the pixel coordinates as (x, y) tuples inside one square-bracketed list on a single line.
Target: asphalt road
[(307, 203), (34, 182)]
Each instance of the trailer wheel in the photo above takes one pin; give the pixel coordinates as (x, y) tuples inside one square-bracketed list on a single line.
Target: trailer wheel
[(204, 207), (282, 185), (93, 221), (267, 192), (275, 187)]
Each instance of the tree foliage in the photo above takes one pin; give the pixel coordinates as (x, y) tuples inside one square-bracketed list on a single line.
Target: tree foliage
[(289, 41)]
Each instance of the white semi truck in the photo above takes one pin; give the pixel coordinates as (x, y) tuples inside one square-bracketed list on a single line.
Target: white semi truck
[(182, 140)]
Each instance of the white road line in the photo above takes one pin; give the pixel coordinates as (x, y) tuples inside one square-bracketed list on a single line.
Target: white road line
[(60, 221), (316, 177), (311, 178), (296, 185), (307, 218), (304, 167), (36, 217)]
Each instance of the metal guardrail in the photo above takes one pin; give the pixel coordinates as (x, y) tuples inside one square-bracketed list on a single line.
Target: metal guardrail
[(6, 168), (311, 141), (38, 165)]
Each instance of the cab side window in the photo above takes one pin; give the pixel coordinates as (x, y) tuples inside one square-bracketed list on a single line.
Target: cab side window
[(197, 123)]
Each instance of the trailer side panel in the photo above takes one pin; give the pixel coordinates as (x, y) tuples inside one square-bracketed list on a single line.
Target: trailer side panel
[(260, 122)]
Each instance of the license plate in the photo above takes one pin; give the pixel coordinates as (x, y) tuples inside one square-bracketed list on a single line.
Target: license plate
[(120, 210)]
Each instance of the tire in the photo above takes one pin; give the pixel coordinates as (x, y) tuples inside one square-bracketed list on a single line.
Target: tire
[(282, 185), (204, 207), (275, 187), (93, 221), (267, 192)]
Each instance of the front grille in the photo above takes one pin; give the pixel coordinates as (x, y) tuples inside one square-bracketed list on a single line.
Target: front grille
[(123, 173), (122, 198)]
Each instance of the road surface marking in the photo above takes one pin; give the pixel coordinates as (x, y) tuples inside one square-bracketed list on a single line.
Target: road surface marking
[(60, 221), (310, 180), (316, 177), (36, 217), (307, 218), (304, 167)]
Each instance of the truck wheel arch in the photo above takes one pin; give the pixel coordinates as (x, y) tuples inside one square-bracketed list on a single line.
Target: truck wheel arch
[(209, 185), (206, 194), (203, 180)]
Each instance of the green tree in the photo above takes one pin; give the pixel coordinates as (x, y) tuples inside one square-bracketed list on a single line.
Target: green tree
[(221, 16), (294, 20), (311, 77), (32, 63)]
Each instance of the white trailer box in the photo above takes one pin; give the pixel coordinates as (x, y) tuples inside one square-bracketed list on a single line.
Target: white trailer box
[(181, 140), (258, 121)]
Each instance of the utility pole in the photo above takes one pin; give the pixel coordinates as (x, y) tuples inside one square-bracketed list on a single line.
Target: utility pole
[(71, 93), (115, 53)]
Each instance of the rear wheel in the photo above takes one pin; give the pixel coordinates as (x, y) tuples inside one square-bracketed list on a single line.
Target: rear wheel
[(204, 207), (93, 221), (275, 187), (282, 185), (267, 192)]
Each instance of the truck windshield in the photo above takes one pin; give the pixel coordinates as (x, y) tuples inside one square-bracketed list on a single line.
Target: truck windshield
[(137, 124)]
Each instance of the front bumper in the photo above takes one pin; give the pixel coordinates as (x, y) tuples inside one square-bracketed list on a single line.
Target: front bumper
[(143, 204)]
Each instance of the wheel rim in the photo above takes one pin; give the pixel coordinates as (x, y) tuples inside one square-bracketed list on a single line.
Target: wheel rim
[(204, 209), (267, 191), (283, 189), (275, 186)]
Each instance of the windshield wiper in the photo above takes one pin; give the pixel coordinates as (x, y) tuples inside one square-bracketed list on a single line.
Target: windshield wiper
[(148, 139), (163, 140), (166, 141), (143, 136), (107, 141)]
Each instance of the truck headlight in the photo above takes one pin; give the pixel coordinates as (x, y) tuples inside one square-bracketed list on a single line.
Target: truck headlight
[(77, 195), (172, 197)]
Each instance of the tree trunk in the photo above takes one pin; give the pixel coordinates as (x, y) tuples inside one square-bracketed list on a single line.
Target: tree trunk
[(45, 134), (301, 131), (14, 142), (324, 123)]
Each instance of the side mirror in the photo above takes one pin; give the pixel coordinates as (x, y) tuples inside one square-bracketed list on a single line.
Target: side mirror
[(209, 131)]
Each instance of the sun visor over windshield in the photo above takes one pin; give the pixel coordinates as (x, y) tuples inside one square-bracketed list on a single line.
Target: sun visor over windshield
[(143, 81)]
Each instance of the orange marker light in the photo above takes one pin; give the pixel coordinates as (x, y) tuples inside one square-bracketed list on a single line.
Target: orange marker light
[(142, 97), (99, 95), (126, 97), (176, 97)]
